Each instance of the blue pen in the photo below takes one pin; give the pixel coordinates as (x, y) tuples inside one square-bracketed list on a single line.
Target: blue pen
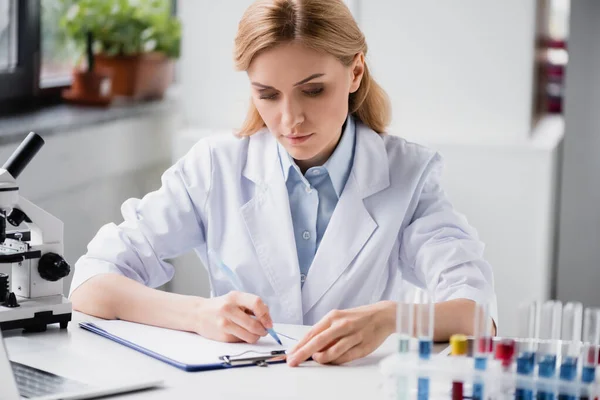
[(236, 284)]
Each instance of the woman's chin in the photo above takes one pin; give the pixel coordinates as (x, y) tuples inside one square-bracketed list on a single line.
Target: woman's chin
[(302, 154)]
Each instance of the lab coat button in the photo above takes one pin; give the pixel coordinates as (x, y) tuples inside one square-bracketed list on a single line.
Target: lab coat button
[(302, 277)]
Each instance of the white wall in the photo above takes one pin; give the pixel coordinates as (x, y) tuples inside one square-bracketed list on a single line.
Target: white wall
[(215, 96), (455, 71), (83, 176), (460, 76)]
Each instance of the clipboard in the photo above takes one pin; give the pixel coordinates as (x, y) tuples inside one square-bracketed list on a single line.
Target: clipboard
[(246, 358)]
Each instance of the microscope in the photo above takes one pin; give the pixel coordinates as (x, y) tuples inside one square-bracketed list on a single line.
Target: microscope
[(31, 248)]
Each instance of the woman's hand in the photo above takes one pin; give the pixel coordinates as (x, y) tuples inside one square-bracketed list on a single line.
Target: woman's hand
[(343, 336), (233, 317)]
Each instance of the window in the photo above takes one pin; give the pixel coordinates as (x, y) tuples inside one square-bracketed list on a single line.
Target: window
[(8, 35), (26, 27), (58, 53), (18, 46)]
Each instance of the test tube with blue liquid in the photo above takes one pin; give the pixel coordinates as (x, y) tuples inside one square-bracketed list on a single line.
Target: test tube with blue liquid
[(482, 346), (405, 325), (570, 348), (425, 315), (591, 345), (527, 317), (549, 335)]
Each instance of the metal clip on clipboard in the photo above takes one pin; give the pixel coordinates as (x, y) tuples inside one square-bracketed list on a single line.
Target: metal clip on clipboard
[(261, 359)]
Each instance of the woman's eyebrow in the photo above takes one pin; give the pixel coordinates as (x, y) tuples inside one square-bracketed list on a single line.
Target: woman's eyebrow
[(260, 85), (310, 78)]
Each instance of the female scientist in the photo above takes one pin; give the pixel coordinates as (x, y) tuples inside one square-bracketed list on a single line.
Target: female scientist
[(319, 212)]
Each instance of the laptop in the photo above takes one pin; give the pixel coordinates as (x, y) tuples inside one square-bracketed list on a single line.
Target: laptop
[(21, 381)]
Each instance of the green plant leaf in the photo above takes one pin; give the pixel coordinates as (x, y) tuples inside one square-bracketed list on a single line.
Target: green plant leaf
[(124, 27)]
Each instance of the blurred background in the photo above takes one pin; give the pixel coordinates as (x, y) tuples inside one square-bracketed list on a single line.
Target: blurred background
[(508, 92)]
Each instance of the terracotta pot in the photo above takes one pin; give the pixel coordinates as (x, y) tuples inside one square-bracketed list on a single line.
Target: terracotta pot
[(139, 77), (94, 83), (92, 88)]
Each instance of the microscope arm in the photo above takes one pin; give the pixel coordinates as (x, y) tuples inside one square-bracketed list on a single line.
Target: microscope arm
[(46, 228)]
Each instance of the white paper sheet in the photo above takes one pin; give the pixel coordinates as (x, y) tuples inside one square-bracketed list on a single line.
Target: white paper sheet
[(186, 347)]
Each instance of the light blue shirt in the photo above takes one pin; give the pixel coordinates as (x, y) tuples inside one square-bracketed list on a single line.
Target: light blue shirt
[(314, 195)]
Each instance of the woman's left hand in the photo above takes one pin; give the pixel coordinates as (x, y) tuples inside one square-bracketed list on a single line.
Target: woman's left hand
[(343, 336)]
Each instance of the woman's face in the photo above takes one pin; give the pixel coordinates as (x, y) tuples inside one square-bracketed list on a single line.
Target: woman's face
[(302, 96)]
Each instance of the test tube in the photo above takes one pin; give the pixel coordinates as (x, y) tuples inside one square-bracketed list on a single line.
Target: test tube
[(591, 344), (425, 315), (458, 348), (527, 314), (571, 341), (482, 335), (505, 352), (405, 325), (549, 335)]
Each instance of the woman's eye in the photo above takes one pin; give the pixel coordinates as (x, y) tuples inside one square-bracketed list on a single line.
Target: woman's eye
[(268, 96), (313, 92)]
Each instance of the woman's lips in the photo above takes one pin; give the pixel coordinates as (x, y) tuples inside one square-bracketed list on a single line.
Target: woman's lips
[(293, 140)]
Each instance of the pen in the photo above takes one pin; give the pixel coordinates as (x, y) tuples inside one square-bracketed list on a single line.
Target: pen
[(237, 285)]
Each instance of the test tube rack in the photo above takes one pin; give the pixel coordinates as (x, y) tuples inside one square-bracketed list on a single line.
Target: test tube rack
[(401, 372)]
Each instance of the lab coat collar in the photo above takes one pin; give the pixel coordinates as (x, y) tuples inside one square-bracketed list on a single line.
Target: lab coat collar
[(370, 169), (269, 223), (370, 166)]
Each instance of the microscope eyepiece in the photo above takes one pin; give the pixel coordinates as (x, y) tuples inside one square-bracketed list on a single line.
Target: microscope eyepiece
[(23, 154)]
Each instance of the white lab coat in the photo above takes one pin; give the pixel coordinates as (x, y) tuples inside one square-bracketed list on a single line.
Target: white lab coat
[(392, 222)]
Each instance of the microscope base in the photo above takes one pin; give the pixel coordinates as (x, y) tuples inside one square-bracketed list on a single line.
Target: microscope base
[(34, 315)]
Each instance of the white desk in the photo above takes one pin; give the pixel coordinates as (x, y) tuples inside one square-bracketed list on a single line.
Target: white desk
[(80, 354)]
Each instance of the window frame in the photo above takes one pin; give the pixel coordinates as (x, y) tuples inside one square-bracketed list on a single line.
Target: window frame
[(23, 81)]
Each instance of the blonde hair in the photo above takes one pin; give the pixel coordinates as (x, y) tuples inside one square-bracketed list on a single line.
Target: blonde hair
[(323, 25)]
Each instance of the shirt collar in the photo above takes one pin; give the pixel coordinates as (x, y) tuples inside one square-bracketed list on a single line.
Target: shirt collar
[(339, 163)]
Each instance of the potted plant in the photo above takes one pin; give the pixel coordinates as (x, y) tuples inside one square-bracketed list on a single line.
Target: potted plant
[(136, 41), (90, 85)]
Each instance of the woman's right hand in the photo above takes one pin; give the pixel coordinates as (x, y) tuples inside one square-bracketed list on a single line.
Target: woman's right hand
[(233, 317)]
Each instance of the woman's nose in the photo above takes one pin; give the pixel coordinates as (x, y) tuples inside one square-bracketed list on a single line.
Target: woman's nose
[(291, 115)]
